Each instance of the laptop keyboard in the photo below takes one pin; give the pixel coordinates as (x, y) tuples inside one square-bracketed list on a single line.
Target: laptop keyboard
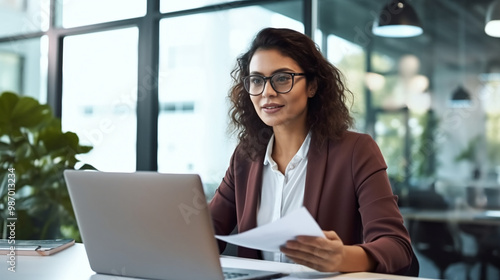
[(232, 275)]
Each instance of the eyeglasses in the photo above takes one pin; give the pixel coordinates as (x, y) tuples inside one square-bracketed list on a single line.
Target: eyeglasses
[(281, 82)]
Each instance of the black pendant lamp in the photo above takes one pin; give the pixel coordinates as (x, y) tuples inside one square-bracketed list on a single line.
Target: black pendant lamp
[(397, 19), (460, 97)]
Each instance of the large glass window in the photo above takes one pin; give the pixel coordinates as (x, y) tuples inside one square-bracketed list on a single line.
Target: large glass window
[(20, 16), (172, 6), (350, 58), (491, 101), (391, 129), (100, 95), (194, 80), (78, 13), (23, 67)]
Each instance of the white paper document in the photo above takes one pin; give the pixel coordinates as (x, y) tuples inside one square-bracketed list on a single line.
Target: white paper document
[(272, 236)]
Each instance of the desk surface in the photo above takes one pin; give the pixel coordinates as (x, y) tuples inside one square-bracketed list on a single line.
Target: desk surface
[(459, 216), (72, 264)]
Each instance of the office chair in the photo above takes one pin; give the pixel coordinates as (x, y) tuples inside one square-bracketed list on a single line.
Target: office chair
[(414, 269), (488, 249), (487, 236), (437, 242), (493, 255), (434, 240)]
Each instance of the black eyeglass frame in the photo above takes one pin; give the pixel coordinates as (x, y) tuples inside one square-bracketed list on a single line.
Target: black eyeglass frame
[(271, 81)]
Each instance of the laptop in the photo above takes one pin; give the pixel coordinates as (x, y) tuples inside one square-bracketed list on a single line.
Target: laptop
[(148, 225)]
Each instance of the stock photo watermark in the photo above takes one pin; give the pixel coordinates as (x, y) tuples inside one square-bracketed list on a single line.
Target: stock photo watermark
[(194, 208), (11, 220)]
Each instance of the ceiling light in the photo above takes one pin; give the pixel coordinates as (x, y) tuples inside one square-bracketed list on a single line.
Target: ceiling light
[(397, 19), (419, 102), (374, 81), (492, 27)]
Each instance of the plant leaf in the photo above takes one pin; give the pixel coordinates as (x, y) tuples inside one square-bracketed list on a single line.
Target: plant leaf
[(4, 147), (8, 101), (29, 113)]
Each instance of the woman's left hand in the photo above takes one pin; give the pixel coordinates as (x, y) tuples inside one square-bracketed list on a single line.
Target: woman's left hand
[(323, 254)]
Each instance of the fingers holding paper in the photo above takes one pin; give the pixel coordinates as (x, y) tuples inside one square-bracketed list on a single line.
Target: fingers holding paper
[(322, 254), (328, 254)]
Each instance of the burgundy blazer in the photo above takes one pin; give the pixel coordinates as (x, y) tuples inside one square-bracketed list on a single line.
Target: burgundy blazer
[(347, 190)]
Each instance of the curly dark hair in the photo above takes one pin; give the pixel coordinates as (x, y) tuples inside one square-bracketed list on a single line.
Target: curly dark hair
[(327, 114)]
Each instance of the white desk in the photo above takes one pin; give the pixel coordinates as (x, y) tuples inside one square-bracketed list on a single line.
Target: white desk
[(72, 264)]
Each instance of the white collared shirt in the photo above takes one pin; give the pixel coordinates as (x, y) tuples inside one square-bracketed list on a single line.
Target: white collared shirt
[(282, 193)]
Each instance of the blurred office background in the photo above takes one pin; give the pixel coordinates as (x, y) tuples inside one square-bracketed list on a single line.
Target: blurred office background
[(145, 83)]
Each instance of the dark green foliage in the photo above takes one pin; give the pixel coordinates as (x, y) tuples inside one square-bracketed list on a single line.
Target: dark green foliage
[(32, 142)]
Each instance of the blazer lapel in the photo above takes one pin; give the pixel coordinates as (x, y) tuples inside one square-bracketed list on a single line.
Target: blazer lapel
[(252, 197), (316, 167)]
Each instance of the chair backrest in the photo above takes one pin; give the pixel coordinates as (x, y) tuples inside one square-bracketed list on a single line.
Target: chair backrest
[(414, 267), (426, 199)]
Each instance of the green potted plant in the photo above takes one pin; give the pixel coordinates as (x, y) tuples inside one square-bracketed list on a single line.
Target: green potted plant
[(34, 152)]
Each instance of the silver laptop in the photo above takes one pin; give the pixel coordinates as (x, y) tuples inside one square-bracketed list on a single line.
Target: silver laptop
[(148, 225)]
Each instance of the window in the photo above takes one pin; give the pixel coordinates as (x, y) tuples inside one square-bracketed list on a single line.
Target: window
[(194, 81), (491, 99), (172, 6), (100, 95), (23, 67), (78, 13), (20, 17), (350, 59)]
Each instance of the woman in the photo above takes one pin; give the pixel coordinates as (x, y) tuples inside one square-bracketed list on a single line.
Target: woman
[(288, 107)]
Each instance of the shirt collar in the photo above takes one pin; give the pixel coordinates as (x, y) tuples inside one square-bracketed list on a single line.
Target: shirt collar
[(301, 153), (269, 150)]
